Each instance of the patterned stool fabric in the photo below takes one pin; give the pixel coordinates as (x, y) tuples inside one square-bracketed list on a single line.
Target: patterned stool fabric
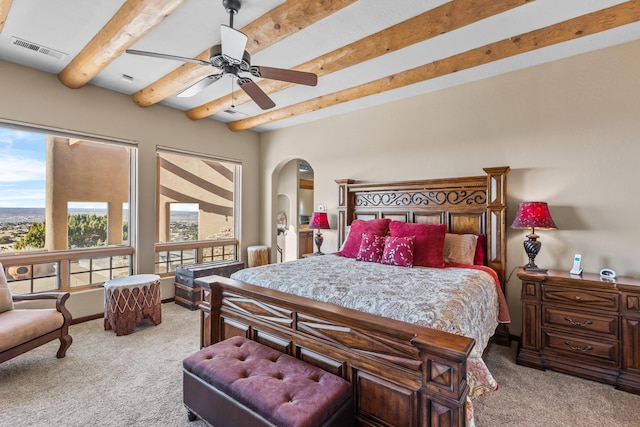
[(128, 300)]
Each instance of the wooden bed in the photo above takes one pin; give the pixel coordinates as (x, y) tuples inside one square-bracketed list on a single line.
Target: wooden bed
[(402, 374)]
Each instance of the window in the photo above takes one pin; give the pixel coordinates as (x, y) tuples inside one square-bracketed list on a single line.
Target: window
[(196, 199), (64, 202)]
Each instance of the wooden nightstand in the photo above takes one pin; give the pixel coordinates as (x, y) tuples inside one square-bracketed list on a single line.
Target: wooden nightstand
[(582, 325)]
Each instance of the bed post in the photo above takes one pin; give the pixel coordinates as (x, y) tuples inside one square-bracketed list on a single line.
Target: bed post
[(496, 220), (497, 235), (210, 323), (345, 208), (443, 394)]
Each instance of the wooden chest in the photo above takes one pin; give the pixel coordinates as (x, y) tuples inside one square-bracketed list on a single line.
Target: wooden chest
[(187, 293)]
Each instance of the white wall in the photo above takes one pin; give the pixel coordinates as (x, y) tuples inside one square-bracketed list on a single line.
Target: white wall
[(569, 130), (33, 97)]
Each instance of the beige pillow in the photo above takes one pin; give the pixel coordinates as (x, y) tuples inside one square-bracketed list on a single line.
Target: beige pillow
[(6, 302), (460, 248)]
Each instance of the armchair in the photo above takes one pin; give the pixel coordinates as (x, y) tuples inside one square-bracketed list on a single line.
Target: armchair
[(23, 329)]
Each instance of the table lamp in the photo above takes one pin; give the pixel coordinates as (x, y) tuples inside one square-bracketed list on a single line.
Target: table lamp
[(533, 215), (319, 221)]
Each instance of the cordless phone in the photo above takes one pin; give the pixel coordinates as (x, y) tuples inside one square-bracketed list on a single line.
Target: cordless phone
[(577, 262)]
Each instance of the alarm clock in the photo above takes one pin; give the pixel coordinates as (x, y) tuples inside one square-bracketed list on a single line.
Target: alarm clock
[(607, 273)]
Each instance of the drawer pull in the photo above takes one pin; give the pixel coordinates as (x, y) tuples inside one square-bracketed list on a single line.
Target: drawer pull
[(578, 298), (574, 323), (587, 348)]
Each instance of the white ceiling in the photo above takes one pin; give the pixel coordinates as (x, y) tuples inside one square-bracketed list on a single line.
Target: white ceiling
[(67, 26)]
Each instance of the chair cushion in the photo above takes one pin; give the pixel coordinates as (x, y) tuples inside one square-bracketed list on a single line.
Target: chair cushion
[(6, 301), (18, 326), (284, 390)]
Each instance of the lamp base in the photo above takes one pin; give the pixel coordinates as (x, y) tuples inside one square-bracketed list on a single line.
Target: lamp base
[(318, 239), (535, 269), (532, 247)]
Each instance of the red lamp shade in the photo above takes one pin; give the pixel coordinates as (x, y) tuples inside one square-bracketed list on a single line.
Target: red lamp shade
[(534, 215), (319, 221)]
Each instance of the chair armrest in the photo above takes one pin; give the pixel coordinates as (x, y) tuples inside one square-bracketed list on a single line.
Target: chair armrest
[(60, 297)]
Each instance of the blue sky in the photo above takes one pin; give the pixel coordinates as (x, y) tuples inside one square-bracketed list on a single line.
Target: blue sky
[(23, 171), (22, 175)]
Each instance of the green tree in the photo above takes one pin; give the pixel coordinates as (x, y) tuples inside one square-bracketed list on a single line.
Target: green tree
[(87, 230), (34, 237)]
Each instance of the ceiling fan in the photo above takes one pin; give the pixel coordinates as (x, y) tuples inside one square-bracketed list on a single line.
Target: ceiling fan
[(231, 59)]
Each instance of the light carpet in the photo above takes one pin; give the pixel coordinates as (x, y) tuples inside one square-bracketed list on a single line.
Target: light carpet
[(136, 380)]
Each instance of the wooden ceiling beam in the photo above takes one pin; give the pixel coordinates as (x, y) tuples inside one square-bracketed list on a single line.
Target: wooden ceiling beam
[(5, 5), (442, 19), (130, 23), (592, 23), (282, 21)]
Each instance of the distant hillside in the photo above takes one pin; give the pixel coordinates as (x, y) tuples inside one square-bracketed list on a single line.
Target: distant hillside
[(29, 215)]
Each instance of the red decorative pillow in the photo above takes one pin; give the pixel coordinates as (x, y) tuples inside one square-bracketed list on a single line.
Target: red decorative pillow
[(398, 251), (378, 227), (478, 259), (371, 248), (429, 241)]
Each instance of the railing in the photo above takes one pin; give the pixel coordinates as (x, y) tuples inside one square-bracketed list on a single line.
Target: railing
[(171, 255), (66, 270), (82, 269)]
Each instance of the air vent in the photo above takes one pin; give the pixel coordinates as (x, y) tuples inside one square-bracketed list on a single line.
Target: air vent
[(234, 111), (38, 48)]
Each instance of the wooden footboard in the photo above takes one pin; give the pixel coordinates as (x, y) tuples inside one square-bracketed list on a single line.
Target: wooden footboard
[(402, 374)]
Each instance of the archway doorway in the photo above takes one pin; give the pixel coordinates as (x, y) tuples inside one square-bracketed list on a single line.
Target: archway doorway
[(294, 206)]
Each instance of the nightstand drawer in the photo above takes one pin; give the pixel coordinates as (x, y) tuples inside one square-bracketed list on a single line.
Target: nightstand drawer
[(579, 297), (597, 350), (580, 321)]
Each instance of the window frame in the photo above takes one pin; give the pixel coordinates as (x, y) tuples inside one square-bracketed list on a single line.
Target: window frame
[(229, 246), (62, 259)]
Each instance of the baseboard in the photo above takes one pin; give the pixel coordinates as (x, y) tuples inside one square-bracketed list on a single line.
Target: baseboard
[(75, 321)]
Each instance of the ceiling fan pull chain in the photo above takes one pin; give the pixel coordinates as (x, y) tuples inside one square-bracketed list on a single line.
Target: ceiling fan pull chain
[(232, 96)]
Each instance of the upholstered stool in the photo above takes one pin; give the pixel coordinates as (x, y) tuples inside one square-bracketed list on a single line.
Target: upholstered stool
[(239, 382), (128, 300)]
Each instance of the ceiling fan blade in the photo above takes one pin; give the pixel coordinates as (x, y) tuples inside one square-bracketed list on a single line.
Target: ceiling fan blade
[(233, 43), (199, 86), (291, 76), (255, 93), (165, 56)]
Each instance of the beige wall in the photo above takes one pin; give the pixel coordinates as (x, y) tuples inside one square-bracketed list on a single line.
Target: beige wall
[(569, 130), (33, 97)]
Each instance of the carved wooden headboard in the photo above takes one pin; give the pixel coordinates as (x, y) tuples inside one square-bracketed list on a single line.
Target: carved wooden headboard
[(475, 204)]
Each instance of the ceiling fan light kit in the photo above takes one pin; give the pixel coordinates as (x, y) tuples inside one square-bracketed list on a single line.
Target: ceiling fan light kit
[(231, 59)]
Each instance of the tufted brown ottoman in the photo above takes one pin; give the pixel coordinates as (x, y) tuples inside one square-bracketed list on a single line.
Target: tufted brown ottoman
[(239, 382)]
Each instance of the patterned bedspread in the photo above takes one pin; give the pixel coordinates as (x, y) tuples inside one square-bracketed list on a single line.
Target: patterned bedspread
[(458, 300)]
